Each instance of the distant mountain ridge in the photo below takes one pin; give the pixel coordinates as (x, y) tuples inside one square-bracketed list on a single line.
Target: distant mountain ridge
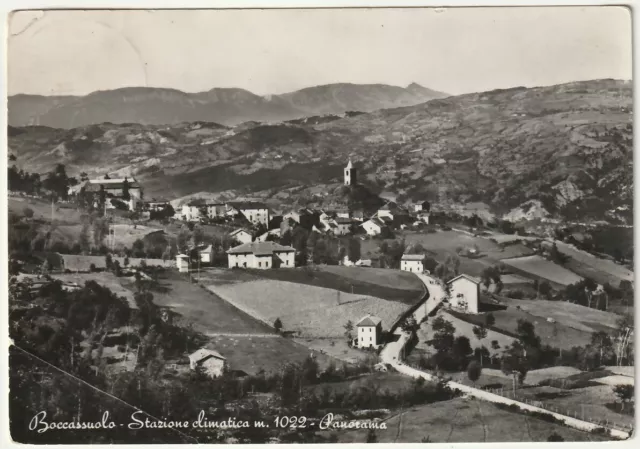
[(559, 152), (228, 106)]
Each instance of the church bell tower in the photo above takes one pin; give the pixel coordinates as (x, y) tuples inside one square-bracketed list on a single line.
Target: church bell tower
[(350, 178)]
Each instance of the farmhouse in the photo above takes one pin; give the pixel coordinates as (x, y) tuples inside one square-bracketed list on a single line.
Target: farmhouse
[(208, 360), (342, 225), (413, 263), (306, 218), (215, 210), (241, 235), (114, 189), (374, 226), (273, 233), (206, 254), (254, 211), (157, 205), (369, 332), (182, 263), (262, 255), (464, 293), (191, 211)]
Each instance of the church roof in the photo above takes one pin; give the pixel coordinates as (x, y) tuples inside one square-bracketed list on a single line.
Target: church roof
[(349, 165)]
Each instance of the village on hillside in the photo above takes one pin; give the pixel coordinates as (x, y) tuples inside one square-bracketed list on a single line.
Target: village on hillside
[(401, 289), (320, 226)]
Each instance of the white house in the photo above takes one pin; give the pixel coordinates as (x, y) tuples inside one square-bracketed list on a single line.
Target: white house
[(242, 235), (373, 226), (215, 210), (211, 361), (413, 263), (369, 332), (182, 263), (206, 254), (342, 226), (254, 211), (262, 255), (464, 293), (424, 216), (191, 212)]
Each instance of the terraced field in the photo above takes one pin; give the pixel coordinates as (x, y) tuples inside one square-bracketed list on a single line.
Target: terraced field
[(464, 420)]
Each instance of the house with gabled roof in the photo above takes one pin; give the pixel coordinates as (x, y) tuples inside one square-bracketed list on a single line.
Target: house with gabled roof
[(413, 263), (255, 212), (212, 362), (369, 332), (241, 235), (464, 293), (261, 255), (374, 226)]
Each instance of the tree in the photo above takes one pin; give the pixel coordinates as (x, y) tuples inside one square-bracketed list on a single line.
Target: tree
[(526, 332), (83, 240), (461, 350), (27, 212), (624, 392), (348, 329), (353, 249), (555, 437), (495, 345), (480, 332), (125, 190), (601, 341), (277, 325), (544, 289), (126, 261), (473, 371), (409, 325), (489, 320), (116, 268), (108, 261)]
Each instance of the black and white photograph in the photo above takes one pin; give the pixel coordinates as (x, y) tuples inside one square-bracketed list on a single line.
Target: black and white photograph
[(336, 225)]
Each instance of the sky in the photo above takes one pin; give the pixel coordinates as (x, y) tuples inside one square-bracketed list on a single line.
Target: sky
[(454, 50)]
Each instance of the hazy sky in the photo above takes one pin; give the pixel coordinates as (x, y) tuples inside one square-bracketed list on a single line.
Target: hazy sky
[(456, 50)]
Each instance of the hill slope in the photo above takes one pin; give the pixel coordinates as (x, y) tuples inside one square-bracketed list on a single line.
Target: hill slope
[(564, 150), (159, 106)]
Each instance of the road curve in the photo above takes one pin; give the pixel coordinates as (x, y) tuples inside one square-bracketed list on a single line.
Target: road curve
[(392, 354)]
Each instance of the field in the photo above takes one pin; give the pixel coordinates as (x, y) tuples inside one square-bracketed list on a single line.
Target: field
[(393, 382), (465, 329), (601, 270), (571, 315), (377, 276), (254, 353), (556, 334), (77, 262), (42, 209), (541, 268), (126, 234), (464, 420), (207, 312), (351, 280), (121, 286), (336, 348), (308, 311)]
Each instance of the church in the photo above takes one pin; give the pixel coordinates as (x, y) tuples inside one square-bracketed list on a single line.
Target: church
[(350, 177)]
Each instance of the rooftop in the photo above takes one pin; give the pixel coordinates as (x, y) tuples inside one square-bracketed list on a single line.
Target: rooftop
[(369, 320), (465, 276), (204, 353), (241, 205), (419, 257), (260, 248)]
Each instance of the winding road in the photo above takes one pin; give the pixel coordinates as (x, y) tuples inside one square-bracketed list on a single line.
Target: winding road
[(392, 353)]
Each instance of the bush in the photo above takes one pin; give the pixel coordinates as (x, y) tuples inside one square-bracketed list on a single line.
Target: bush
[(514, 294), (28, 212)]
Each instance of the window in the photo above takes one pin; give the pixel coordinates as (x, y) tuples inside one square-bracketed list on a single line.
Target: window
[(259, 264)]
